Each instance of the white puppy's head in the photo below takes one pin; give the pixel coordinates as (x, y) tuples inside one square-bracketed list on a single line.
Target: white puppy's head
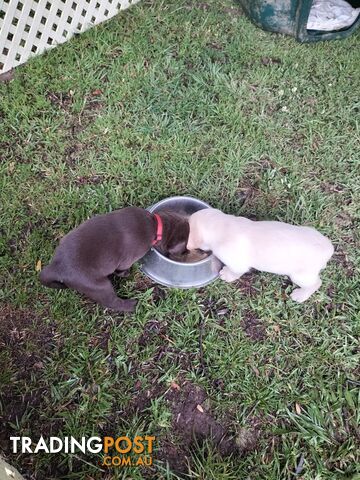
[(200, 227)]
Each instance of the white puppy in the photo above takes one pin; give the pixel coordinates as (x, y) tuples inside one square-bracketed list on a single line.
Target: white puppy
[(275, 247)]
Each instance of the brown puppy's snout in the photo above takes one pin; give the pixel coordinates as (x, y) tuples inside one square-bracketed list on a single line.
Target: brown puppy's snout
[(176, 234)]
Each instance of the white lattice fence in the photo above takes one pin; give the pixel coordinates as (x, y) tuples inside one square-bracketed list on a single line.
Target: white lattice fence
[(28, 27)]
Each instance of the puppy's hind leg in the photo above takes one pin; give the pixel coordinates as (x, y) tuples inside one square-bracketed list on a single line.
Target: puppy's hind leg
[(122, 273), (308, 284), (102, 291)]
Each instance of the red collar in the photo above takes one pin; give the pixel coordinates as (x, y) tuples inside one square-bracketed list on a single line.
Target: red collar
[(159, 229)]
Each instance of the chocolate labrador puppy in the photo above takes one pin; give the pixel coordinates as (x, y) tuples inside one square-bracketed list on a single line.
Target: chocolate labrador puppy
[(109, 244)]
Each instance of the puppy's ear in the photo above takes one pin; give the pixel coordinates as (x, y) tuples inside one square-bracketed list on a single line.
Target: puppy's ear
[(194, 237), (176, 235), (178, 248)]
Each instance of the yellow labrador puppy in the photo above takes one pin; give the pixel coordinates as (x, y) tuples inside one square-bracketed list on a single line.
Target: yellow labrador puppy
[(275, 247)]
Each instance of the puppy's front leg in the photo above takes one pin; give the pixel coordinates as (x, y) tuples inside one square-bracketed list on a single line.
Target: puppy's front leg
[(308, 283), (301, 294), (228, 275)]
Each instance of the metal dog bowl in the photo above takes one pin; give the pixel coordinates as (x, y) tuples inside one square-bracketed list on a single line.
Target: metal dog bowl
[(169, 272)]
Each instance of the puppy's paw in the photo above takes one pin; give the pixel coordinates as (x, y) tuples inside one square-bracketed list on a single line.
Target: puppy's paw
[(300, 295), (227, 275), (129, 305), (124, 305)]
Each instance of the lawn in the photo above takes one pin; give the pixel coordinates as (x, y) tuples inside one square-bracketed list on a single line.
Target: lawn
[(174, 98)]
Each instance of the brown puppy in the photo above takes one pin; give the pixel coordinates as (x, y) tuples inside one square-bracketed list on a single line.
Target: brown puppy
[(111, 243)]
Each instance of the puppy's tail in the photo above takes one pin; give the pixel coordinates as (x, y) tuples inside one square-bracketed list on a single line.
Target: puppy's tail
[(49, 277)]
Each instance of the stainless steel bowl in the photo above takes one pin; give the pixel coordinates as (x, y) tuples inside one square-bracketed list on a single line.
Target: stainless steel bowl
[(176, 274)]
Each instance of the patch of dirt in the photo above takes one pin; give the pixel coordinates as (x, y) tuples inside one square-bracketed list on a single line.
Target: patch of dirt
[(158, 293), (246, 285), (216, 54), (233, 11), (218, 384), (26, 336), (152, 329), (247, 439), (341, 258), (325, 308), (25, 339), (201, 6), (143, 397), (75, 122), (89, 180), (268, 61), (332, 187), (192, 421), (214, 308), (93, 104), (192, 424), (310, 101), (247, 193), (102, 336), (185, 360), (297, 141), (7, 76), (215, 46), (15, 244), (72, 153), (253, 189), (173, 355), (61, 100), (343, 220), (176, 456), (253, 327), (143, 283), (64, 101)]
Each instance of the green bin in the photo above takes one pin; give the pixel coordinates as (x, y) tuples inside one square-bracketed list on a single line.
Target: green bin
[(290, 17)]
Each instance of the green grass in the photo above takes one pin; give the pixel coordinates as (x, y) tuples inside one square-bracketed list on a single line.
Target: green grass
[(171, 98)]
